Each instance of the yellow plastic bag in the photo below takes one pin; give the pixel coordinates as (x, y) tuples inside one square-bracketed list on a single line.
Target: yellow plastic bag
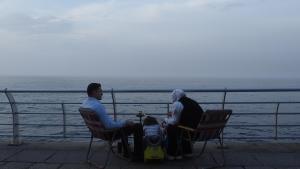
[(154, 153)]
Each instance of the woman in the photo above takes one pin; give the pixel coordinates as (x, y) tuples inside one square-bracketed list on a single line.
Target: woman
[(186, 112)]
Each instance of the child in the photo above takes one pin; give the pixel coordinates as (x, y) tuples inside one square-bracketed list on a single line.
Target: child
[(152, 139), (151, 127)]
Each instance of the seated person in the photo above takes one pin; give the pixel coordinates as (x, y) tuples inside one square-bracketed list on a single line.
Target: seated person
[(153, 140), (94, 92), (186, 112), (151, 129)]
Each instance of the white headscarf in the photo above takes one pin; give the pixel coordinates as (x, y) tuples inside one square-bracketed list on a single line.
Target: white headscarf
[(177, 94)]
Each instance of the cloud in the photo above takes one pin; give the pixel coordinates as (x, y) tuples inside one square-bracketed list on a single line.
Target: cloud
[(149, 37), (141, 12), (105, 13), (20, 23), (94, 11)]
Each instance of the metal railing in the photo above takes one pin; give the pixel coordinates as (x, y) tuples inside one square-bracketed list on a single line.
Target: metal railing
[(15, 136)]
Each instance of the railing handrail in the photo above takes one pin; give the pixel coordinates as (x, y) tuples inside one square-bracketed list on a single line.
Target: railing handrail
[(159, 90)]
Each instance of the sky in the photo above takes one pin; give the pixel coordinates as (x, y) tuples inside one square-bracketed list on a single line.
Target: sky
[(150, 38)]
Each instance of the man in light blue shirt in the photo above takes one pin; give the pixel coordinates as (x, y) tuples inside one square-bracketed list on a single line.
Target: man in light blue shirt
[(95, 93), (92, 102)]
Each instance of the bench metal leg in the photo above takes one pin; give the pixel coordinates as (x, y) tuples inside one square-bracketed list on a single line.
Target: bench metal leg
[(221, 142), (106, 158), (223, 156), (222, 151), (199, 155), (203, 148), (89, 150), (107, 155), (110, 149)]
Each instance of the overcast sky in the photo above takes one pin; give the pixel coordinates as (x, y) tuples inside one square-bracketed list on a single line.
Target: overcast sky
[(150, 38)]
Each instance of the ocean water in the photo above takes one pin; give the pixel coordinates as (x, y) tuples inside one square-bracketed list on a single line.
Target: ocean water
[(52, 113)]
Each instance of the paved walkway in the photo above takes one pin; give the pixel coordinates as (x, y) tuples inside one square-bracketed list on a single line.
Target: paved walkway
[(67, 155)]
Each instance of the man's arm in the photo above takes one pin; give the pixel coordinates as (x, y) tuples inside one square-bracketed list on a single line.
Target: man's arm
[(107, 121)]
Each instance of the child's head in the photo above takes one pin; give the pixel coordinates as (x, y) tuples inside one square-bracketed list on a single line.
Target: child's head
[(150, 121)]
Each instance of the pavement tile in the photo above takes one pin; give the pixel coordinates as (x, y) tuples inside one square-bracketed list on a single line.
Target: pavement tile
[(31, 156), (189, 167), (68, 157), (154, 165), (260, 167), (238, 159), (6, 153), (138, 166), (8, 146), (64, 155), (230, 167), (279, 159), (113, 167), (204, 160), (44, 166), (77, 166), (294, 147), (16, 165), (274, 147)]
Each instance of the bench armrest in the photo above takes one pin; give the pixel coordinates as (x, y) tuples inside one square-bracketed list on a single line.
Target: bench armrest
[(186, 128)]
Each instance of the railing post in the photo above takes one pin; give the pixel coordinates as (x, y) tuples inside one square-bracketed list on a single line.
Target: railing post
[(114, 103), (276, 121), (168, 108), (15, 118), (64, 119), (224, 99), (222, 146)]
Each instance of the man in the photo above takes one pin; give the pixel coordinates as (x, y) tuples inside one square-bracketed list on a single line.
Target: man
[(186, 112), (94, 92)]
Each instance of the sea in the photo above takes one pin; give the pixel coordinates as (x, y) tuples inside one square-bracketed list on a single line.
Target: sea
[(44, 122)]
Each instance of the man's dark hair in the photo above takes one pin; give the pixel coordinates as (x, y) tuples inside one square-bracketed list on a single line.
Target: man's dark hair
[(92, 87)]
